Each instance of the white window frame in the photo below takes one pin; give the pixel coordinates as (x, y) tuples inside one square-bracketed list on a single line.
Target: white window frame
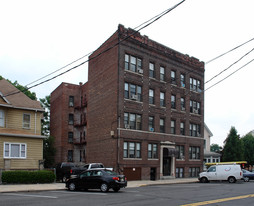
[(24, 124), (2, 118), (22, 150)]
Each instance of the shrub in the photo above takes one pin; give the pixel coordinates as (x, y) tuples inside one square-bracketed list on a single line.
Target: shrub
[(28, 177)]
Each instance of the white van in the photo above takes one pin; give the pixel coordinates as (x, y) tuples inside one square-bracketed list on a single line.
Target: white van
[(231, 173)]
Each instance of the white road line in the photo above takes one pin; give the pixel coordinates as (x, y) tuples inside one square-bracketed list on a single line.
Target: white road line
[(23, 195), (83, 193)]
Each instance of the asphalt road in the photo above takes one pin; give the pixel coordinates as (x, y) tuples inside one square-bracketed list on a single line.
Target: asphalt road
[(216, 193)]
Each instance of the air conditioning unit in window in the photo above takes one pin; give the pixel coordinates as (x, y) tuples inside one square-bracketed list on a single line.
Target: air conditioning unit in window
[(182, 157), (140, 71), (134, 97), (195, 111), (127, 126), (198, 134)]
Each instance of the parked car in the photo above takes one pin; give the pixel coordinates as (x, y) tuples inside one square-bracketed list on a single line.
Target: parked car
[(63, 170), (77, 170), (247, 175), (230, 172), (102, 179)]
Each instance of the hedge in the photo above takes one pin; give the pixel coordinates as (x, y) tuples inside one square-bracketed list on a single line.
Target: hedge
[(28, 177)]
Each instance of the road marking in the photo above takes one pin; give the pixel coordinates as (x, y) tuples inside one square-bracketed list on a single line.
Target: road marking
[(23, 195), (77, 192), (220, 200)]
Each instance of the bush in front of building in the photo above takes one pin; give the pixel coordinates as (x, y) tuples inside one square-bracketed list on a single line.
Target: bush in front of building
[(27, 177)]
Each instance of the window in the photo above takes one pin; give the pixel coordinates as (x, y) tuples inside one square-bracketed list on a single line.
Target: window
[(195, 85), (132, 121), (182, 104), (194, 171), (173, 101), (162, 125), (194, 152), (151, 96), (195, 130), (162, 73), (180, 152), (132, 150), (173, 77), (153, 151), (70, 156), (70, 137), (182, 77), (132, 63), (195, 107), (182, 128), (71, 119), (151, 124), (151, 70), (173, 127), (2, 118), (179, 172), (14, 150), (162, 99), (26, 121), (133, 92), (71, 101)]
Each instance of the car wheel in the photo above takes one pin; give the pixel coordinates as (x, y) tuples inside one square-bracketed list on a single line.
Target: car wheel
[(246, 179), (72, 186), (204, 180), (104, 187), (116, 189), (231, 180)]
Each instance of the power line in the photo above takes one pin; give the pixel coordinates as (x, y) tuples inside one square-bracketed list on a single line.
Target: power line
[(229, 51), (59, 69), (154, 19), (230, 65), (229, 75)]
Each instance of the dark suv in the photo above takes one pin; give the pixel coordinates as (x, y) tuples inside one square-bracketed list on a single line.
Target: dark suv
[(63, 170)]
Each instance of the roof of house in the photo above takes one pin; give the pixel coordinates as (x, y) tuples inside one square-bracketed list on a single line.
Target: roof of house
[(17, 99)]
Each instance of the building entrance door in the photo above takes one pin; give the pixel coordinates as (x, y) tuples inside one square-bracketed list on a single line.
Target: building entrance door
[(167, 160), (166, 166)]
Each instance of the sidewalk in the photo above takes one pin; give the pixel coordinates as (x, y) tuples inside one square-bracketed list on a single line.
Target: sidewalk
[(61, 186)]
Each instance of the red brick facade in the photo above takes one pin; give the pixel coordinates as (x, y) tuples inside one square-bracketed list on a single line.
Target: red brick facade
[(61, 125), (118, 111)]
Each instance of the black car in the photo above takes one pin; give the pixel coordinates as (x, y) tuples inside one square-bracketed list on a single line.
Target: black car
[(63, 170), (102, 179), (247, 175)]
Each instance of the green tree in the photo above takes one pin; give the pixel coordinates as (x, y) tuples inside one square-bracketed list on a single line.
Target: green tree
[(248, 143), (233, 147), (215, 148), (48, 143), (45, 124), (49, 152)]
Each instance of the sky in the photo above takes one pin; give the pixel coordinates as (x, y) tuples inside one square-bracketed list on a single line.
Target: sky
[(39, 37)]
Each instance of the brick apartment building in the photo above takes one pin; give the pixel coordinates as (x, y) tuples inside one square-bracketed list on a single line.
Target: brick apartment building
[(68, 122), (145, 110)]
